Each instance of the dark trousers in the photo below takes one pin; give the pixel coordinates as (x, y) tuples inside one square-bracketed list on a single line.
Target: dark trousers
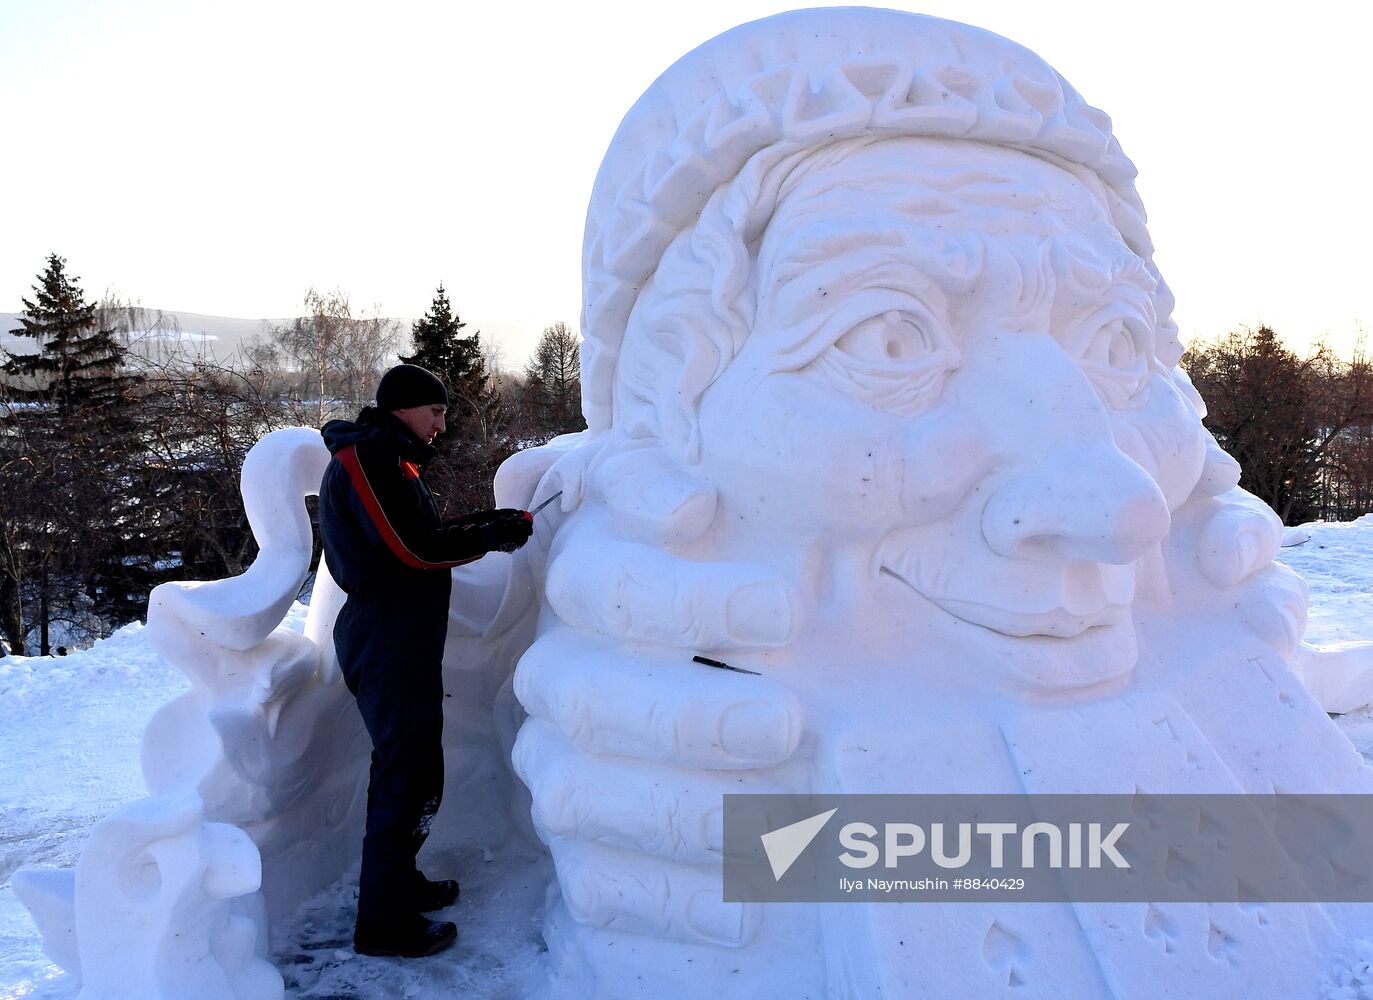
[(390, 649)]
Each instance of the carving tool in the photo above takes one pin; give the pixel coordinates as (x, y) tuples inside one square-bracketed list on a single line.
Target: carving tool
[(721, 665), (541, 506)]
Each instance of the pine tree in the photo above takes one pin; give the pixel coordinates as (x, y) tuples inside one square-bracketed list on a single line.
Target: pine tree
[(435, 337), (474, 443), (441, 347), (77, 364), (73, 529)]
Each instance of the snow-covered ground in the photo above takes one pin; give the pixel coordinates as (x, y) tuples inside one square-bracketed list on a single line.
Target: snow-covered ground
[(69, 736), (69, 739), (1337, 562)]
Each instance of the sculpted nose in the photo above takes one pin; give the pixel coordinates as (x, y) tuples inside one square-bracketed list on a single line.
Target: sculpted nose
[(1080, 503)]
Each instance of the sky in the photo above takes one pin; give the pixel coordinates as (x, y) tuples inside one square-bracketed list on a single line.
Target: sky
[(223, 158)]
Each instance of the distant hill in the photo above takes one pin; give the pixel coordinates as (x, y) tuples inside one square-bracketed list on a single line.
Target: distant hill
[(223, 334)]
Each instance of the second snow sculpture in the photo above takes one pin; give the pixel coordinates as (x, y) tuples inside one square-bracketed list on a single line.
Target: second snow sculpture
[(257, 776), (883, 404)]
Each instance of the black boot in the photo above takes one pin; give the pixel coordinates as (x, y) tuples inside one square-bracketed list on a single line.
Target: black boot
[(430, 895), (413, 937)]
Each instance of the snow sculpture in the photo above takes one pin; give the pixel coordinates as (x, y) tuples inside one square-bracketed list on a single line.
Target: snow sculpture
[(267, 735), (168, 909), (258, 775), (1338, 675), (883, 405)]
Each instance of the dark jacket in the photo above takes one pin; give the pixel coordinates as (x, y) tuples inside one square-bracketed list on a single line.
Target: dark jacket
[(377, 518)]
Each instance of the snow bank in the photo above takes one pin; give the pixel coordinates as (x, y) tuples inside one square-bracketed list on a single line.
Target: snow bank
[(1337, 562)]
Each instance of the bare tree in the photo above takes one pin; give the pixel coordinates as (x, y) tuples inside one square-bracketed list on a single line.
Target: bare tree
[(493, 358), (335, 356), (147, 335), (553, 383), (201, 420), (1291, 421)]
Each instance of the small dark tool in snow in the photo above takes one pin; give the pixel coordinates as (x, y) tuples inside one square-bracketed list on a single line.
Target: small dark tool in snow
[(530, 513), (721, 665)]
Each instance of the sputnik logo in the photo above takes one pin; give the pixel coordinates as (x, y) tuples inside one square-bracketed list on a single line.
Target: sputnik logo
[(785, 844)]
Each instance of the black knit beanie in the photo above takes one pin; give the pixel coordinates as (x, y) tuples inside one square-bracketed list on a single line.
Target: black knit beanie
[(405, 386)]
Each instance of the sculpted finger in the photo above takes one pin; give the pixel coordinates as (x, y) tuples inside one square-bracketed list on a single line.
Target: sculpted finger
[(1241, 537), (1220, 473), (655, 705), (1274, 603), (615, 889), (672, 814), (601, 582), (517, 480)]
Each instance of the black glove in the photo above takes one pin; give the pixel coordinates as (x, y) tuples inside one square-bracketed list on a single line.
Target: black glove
[(510, 531)]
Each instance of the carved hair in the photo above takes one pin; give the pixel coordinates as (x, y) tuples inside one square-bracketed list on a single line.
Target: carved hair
[(696, 311)]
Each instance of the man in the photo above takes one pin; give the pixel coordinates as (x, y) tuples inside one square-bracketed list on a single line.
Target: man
[(392, 554)]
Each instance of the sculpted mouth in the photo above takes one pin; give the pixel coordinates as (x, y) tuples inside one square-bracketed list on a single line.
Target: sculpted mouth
[(1090, 596)]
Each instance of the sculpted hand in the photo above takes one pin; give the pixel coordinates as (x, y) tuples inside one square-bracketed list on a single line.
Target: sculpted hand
[(630, 746), (1238, 545), (599, 582), (1235, 533), (1233, 537), (1240, 537), (628, 753)]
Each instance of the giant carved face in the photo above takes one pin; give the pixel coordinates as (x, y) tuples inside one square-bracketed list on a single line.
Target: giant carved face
[(948, 401), (881, 289)]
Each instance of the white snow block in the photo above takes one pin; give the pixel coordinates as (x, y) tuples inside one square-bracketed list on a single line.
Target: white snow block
[(168, 908), (1339, 675), (50, 896), (240, 612)]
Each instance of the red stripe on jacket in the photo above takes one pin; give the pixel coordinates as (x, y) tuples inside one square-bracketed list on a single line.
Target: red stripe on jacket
[(348, 457)]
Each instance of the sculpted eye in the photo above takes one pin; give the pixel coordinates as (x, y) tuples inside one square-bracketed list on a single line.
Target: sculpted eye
[(1117, 359), (896, 360), (893, 336)]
